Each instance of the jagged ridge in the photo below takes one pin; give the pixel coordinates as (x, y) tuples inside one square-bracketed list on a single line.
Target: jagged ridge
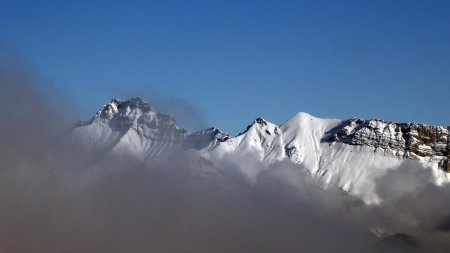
[(406, 140), (135, 123), (350, 154)]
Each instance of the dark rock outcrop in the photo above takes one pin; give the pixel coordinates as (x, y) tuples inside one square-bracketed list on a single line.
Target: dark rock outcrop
[(406, 140)]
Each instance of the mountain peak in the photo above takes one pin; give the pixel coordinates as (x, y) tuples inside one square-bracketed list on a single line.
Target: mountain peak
[(331, 150), (132, 103), (261, 121), (116, 105), (302, 116)]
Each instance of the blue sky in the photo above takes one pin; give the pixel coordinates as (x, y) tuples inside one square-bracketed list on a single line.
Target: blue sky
[(233, 61)]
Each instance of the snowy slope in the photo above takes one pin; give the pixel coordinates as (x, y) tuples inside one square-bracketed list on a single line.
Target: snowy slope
[(350, 154), (306, 141), (133, 127)]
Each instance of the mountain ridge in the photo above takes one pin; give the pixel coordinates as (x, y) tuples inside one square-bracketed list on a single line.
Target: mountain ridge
[(348, 153)]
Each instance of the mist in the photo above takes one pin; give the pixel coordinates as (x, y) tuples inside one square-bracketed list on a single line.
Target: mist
[(189, 115), (47, 206)]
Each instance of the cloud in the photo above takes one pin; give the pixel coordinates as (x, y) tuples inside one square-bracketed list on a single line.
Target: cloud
[(167, 206)]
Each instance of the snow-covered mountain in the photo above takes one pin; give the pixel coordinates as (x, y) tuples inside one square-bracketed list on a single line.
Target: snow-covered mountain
[(132, 126), (350, 154)]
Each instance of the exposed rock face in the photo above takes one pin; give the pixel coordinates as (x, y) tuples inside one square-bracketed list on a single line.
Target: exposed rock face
[(262, 122), (406, 140)]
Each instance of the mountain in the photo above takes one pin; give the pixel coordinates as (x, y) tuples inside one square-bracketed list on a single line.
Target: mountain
[(350, 154), (132, 126)]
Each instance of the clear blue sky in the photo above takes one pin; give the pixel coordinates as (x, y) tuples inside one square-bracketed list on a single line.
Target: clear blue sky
[(237, 60)]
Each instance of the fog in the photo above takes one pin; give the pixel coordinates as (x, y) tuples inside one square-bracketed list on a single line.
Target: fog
[(47, 206)]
